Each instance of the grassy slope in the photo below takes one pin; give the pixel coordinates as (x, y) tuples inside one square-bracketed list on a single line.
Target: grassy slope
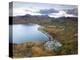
[(65, 32), (67, 35)]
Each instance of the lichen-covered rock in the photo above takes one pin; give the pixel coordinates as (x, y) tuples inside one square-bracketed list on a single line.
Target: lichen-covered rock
[(53, 45)]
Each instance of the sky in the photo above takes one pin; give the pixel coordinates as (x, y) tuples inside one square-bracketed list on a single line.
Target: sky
[(52, 10)]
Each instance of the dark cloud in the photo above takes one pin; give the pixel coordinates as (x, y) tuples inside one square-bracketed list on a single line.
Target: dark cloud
[(72, 11), (48, 11)]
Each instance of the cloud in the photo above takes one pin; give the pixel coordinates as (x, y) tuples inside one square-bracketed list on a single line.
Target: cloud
[(22, 8), (48, 11), (61, 14), (24, 11), (73, 11), (18, 11)]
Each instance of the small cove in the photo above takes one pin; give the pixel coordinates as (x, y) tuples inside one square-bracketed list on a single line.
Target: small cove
[(26, 33)]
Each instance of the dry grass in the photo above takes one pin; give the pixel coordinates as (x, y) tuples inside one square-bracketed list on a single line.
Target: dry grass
[(66, 34)]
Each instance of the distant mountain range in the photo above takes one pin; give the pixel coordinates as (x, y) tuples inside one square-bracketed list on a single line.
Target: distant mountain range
[(38, 19), (43, 16), (51, 13)]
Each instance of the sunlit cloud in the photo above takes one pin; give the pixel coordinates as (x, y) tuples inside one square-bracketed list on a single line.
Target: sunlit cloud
[(61, 14)]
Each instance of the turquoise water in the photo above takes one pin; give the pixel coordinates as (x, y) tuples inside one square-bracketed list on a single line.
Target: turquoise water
[(20, 33)]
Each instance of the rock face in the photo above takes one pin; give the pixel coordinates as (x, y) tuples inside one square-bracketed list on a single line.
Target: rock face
[(53, 45)]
